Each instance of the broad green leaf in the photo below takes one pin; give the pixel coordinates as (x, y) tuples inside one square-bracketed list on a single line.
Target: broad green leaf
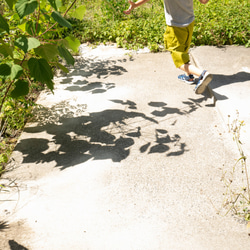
[(40, 70), (27, 44), (4, 25), (16, 71), (47, 51), (10, 3), (60, 19), (64, 69), (79, 12), (64, 53), (5, 70), (50, 84), (33, 43), (6, 50), (72, 43), (21, 89), (25, 7), (22, 43)]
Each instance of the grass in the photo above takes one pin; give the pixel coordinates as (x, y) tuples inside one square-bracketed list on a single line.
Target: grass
[(217, 23)]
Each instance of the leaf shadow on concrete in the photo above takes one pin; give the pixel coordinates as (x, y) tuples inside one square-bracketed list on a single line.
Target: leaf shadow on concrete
[(15, 246), (74, 137), (85, 72), (4, 225)]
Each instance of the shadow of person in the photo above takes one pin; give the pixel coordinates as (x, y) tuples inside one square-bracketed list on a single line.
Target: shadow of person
[(219, 80), (223, 80)]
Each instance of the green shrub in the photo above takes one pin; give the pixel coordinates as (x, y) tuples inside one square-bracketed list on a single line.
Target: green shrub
[(217, 23), (28, 56), (222, 23)]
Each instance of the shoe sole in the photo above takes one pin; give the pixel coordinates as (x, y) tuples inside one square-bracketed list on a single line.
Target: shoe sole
[(203, 85), (187, 82)]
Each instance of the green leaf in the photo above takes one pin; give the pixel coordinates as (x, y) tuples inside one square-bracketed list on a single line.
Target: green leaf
[(10, 3), (47, 51), (41, 71), (27, 44), (16, 71), (21, 89), (53, 4), (72, 43), (79, 12), (5, 70), (64, 69), (22, 43), (3, 159), (6, 50), (25, 7), (50, 84), (33, 43), (4, 25), (61, 20), (58, 3), (22, 27), (64, 53)]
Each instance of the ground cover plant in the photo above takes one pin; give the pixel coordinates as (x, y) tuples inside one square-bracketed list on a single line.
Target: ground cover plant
[(217, 23)]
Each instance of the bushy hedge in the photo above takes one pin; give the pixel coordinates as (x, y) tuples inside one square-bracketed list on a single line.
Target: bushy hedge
[(222, 23)]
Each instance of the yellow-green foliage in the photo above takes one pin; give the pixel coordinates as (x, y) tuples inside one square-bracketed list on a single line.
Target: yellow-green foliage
[(217, 23)]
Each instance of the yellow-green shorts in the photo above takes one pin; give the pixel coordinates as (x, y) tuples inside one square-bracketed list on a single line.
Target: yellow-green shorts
[(177, 40)]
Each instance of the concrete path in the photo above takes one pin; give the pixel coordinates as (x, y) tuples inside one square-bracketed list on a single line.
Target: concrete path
[(123, 156)]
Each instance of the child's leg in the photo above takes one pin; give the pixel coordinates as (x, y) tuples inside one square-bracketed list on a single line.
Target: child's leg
[(177, 40), (191, 69)]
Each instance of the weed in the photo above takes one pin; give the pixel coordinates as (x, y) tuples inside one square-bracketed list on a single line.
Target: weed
[(237, 195)]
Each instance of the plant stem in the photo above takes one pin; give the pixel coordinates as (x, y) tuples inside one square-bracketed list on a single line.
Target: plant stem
[(69, 8), (38, 17), (243, 158), (56, 22), (5, 95)]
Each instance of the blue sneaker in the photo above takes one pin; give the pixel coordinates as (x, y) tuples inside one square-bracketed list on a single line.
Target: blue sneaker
[(204, 79), (187, 79)]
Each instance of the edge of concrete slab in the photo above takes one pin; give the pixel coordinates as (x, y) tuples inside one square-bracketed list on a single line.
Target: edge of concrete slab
[(217, 59)]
